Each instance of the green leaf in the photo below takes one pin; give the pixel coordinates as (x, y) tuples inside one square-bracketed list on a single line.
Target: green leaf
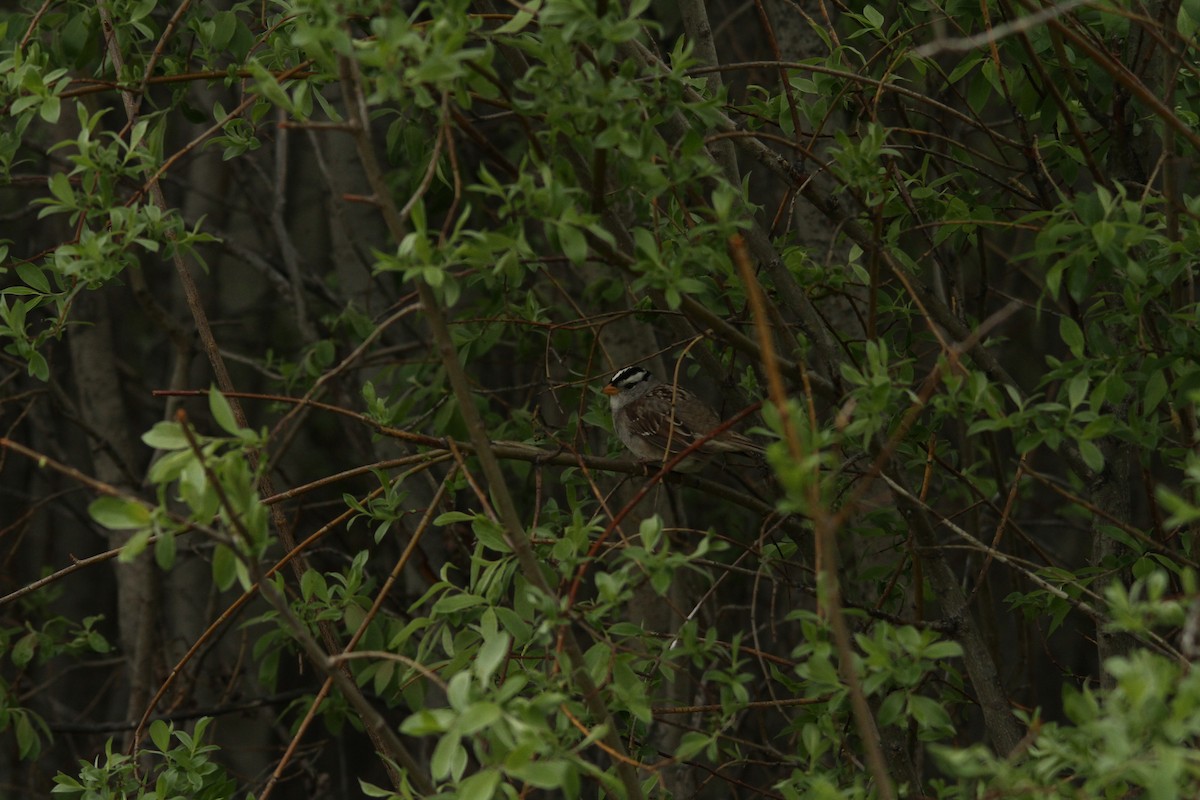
[(544, 774), (650, 530), (164, 550), (814, 741), (427, 721), (521, 19), (573, 243), (160, 734), (456, 602), (38, 367), (312, 584), (929, 713), (722, 200), (491, 654), (692, 743), (891, 708), (98, 643), (60, 187), (119, 514), (490, 534), (371, 790), (50, 109), (384, 672), (1091, 455), (1072, 335), (1054, 277), (65, 783), (225, 24), (28, 743), (1155, 391), (166, 436), (944, 649), (23, 650), (140, 10), (1077, 389), (478, 716), (480, 786), (170, 466), (222, 412), (33, 277), (1104, 232), (224, 567), (134, 546), (452, 516), (449, 758)]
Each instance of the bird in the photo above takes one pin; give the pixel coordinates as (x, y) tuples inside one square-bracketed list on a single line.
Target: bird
[(657, 420)]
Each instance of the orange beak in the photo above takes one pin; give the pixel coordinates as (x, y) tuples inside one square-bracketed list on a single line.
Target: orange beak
[(611, 390)]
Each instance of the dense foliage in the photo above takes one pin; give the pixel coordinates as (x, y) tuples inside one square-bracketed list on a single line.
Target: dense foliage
[(309, 488)]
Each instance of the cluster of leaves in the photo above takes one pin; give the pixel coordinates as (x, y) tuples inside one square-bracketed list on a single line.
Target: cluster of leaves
[(57, 637), (1133, 739), (212, 477), (183, 770)]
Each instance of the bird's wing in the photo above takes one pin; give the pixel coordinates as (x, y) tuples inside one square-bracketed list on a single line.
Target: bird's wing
[(651, 425)]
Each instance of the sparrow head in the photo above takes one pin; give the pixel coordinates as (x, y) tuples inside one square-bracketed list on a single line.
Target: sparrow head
[(626, 379)]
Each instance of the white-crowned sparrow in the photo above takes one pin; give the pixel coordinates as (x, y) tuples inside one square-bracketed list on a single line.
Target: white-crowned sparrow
[(656, 420)]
